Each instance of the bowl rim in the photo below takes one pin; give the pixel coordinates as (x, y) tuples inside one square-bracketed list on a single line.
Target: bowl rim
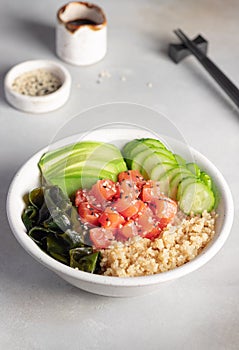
[(31, 247)]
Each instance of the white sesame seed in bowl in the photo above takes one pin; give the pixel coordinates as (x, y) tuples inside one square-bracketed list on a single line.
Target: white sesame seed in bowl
[(37, 86), (140, 266)]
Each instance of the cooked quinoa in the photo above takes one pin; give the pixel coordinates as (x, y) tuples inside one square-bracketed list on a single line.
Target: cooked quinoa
[(179, 243)]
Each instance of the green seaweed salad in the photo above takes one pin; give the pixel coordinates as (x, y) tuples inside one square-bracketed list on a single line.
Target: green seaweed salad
[(52, 223)]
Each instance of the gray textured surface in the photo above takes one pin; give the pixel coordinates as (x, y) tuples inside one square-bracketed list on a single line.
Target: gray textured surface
[(199, 311)]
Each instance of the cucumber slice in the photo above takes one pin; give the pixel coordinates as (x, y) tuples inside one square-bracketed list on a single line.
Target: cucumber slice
[(132, 148), (127, 150), (183, 183), (167, 153), (194, 168), (153, 142), (156, 158), (173, 187), (128, 146), (196, 198), (180, 160), (160, 170), (166, 178), (140, 147), (139, 159), (204, 177), (143, 147)]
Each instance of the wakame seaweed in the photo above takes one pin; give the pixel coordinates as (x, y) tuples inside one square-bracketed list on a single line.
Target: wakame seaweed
[(52, 223)]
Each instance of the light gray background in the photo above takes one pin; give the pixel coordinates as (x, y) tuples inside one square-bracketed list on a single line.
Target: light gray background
[(38, 310)]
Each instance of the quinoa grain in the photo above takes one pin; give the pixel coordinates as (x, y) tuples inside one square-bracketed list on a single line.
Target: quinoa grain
[(179, 243)]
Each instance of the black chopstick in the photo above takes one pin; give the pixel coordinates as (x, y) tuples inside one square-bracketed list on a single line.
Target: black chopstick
[(226, 84)]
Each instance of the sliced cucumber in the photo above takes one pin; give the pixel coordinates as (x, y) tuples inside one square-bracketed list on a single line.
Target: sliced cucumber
[(196, 198), (172, 172), (160, 170), (204, 177), (129, 146), (167, 153), (194, 168), (186, 183), (156, 158), (139, 159), (127, 151), (166, 178), (140, 147), (153, 142), (173, 187), (183, 183), (180, 160)]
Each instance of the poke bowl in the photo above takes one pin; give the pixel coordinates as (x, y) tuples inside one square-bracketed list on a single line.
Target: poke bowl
[(137, 263)]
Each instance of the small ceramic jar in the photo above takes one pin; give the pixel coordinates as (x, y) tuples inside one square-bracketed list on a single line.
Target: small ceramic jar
[(81, 33)]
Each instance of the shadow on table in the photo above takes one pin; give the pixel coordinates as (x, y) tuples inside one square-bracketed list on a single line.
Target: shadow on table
[(3, 72), (44, 33)]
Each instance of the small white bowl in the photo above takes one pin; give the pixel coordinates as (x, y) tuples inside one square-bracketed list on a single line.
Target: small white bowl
[(38, 104), (27, 178)]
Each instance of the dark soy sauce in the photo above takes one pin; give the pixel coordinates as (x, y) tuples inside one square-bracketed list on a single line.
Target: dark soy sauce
[(76, 23)]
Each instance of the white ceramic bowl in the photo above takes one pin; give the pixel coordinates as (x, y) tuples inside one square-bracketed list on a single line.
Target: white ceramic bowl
[(28, 177), (38, 104)]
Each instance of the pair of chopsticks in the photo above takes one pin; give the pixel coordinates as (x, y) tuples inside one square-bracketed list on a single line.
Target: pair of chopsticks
[(225, 83)]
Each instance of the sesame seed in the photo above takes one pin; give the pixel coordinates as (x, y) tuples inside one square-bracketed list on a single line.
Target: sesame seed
[(38, 82)]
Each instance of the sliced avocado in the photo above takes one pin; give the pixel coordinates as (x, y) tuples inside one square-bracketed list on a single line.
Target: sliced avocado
[(81, 165)]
